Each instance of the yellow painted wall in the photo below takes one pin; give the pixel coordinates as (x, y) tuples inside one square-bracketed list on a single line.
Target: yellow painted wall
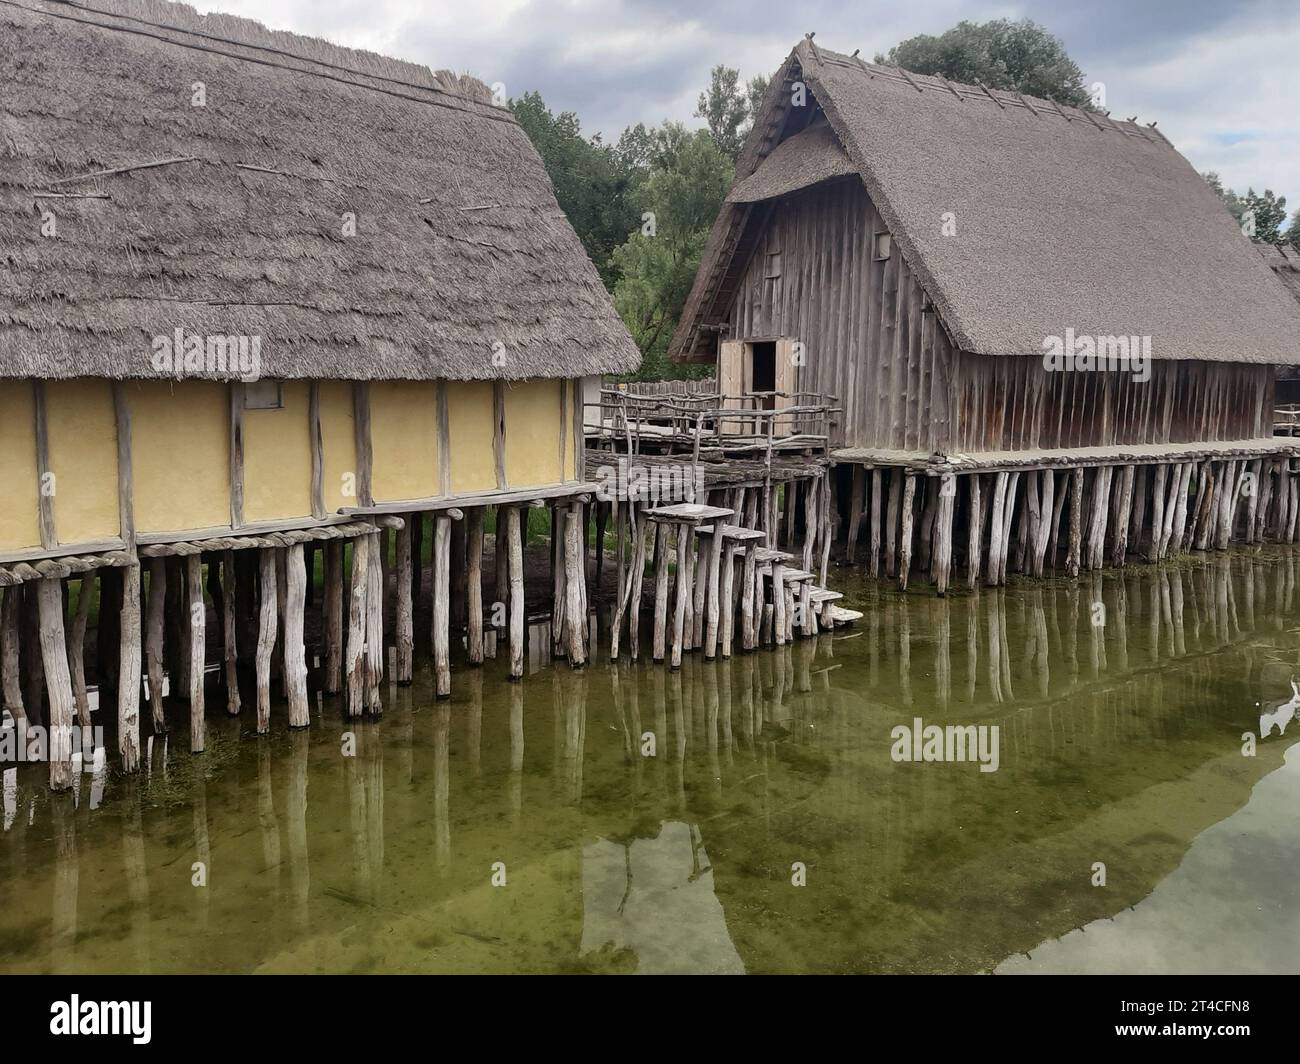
[(180, 454), (338, 444), (533, 428), (404, 440), (470, 411), (277, 458), (83, 458), (20, 525)]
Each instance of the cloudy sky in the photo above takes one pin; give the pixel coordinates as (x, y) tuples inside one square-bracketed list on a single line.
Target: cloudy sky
[(1221, 77)]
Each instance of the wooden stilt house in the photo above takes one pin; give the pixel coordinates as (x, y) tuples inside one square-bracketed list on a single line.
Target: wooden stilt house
[(261, 295), (1051, 345)]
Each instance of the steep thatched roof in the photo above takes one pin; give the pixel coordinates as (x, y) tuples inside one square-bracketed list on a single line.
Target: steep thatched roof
[(462, 265), (808, 158), (1063, 218), (1284, 261)]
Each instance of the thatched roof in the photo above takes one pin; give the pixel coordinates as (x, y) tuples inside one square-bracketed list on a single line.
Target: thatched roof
[(808, 158), (1284, 261), (462, 265), (1064, 218)]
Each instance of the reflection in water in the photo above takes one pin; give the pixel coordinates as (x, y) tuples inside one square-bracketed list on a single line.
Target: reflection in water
[(650, 820)]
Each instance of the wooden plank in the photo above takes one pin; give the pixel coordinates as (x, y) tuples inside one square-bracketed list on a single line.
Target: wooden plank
[(236, 400), (46, 487), (317, 451)]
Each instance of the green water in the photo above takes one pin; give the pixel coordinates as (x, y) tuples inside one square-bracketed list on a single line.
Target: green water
[(1120, 743)]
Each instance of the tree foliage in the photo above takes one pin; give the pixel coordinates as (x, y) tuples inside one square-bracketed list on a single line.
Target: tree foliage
[(1261, 211), (1018, 56)]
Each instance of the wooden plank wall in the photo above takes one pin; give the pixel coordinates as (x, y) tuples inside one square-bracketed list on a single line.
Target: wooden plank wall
[(1013, 404), (867, 337)]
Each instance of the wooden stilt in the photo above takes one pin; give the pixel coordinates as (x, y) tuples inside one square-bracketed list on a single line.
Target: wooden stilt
[(873, 564), (268, 611), (943, 534), (128, 675), (442, 601), (905, 543), (660, 639), (332, 603), (891, 522), (639, 531), (973, 532), (727, 598), (602, 519), (1157, 511), (714, 592), (229, 631), (10, 615), (58, 681), (1100, 513), (683, 594), (355, 666), (1123, 511), (559, 589), (198, 644), (375, 623), (295, 650), (77, 650), (858, 490), (515, 552), (153, 637), (575, 616), (748, 592), (404, 614), (779, 624), (474, 585), (1074, 549), (1048, 511), (996, 525)]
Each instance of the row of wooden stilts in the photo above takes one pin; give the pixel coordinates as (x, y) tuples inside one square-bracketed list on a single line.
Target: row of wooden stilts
[(1061, 519)]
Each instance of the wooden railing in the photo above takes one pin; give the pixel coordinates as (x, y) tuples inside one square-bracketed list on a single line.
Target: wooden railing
[(1286, 420)]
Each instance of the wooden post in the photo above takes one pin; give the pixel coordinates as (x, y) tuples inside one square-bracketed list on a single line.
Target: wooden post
[(375, 623), (58, 681), (891, 521), (10, 614), (559, 591), (996, 522), (128, 676), (1252, 499), (1074, 549), (1180, 506), (905, 548), (856, 494), (943, 532), (332, 598), (713, 619), (267, 614), (974, 533), (295, 651), (355, 668), (1100, 514), (727, 594), (1047, 516), (876, 486), (516, 565), (1123, 512), (474, 585), (575, 615), (638, 581), (1157, 511), (153, 638), (1008, 517), (778, 602), (602, 517), (659, 641), (198, 634), (683, 594), (229, 634), (404, 614), (441, 603), (77, 649), (748, 593)]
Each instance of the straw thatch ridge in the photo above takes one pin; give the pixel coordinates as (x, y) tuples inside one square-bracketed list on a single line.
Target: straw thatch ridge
[(808, 158), (1064, 219), (462, 266), (1284, 261)]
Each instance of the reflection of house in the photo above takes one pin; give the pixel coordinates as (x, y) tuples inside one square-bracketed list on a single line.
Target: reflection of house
[(264, 294), (916, 248), (654, 899)]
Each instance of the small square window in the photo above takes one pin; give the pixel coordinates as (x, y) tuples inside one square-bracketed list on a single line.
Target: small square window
[(880, 247), (264, 395)]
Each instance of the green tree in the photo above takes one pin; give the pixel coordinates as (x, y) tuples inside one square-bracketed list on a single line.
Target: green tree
[(724, 105), (1292, 234), (1267, 212), (591, 183), (1020, 56), (679, 197)]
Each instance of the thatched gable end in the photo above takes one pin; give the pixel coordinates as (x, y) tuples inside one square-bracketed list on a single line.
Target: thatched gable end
[(462, 265), (1018, 217)]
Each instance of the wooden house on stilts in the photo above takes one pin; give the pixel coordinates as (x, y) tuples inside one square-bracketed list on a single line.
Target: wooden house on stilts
[(261, 298), (1052, 347)]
